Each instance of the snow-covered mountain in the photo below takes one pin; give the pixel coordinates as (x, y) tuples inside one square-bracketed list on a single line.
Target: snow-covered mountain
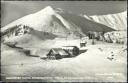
[(45, 20), (55, 22), (116, 21)]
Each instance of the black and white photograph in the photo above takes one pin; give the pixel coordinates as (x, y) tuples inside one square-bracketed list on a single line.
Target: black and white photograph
[(63, 41)]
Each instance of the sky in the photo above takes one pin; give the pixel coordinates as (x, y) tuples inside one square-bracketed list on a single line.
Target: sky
[(13, 10)]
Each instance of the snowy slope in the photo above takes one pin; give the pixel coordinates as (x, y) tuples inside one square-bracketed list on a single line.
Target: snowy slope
[(58, 22), (92, 66), (116, 21), (45, 20), (40, 35)]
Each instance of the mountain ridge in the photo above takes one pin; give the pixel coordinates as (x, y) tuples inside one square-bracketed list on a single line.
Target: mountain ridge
[(58, 23), (117, 21)]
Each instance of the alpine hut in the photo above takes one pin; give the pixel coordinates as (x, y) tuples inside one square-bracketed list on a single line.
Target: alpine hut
[(57, 53), (73, 50)]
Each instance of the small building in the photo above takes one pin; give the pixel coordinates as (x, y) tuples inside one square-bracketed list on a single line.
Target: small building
[(83, 41), (73, 50), (57, 53)]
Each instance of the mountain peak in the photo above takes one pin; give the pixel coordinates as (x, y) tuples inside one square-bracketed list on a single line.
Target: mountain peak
[(47, 10)]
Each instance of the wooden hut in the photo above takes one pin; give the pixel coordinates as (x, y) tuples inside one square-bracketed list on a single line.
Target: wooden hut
[(57, 53), (73, 50)]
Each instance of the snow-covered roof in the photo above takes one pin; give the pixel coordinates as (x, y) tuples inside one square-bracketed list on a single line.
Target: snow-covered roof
[(59, 51)]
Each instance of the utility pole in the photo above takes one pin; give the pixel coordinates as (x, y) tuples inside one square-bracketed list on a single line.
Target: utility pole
[(80, 40), (67, 37), (93, 41)]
